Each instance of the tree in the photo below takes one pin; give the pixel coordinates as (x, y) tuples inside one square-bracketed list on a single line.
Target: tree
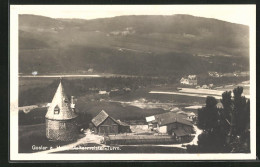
[(226, 111), (227, 104), (225, 129), (213, 137), (208, 115), (240, 112), (240, 131)]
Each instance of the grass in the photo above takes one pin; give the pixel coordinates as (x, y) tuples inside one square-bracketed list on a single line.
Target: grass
[(35, 116), (29, 83), (116, 110)]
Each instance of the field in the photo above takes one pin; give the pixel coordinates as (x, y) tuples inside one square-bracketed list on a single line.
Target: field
[(30, 83)]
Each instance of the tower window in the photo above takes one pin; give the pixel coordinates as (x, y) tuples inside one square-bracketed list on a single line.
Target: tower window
[(56, 110), (62, 125)]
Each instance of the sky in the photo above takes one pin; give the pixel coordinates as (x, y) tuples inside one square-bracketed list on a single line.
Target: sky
[(241, 14)]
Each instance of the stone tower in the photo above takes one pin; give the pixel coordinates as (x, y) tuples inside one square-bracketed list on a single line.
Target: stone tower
[(61, 123)]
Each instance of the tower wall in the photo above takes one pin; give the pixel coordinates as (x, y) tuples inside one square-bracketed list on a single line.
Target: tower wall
[(61, 130)]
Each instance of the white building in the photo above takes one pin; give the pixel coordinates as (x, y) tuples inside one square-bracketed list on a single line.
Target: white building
[(190, 80)]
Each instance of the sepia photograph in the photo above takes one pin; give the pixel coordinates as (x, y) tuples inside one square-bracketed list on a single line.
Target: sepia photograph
[(132, 82)]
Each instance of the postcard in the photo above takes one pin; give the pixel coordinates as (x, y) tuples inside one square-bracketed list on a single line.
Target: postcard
[(132, 82)]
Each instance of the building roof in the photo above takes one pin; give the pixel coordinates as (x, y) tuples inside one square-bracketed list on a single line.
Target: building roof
[(192, 77), (191, 114), (102, 116), (149, 119), (61, 103), (171, 117)]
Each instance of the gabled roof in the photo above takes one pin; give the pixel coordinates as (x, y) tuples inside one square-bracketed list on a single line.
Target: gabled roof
[(102, 116), (60, 102), (171, 117)]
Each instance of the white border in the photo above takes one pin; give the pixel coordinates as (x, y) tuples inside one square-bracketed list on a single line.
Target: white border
[(14, 155)]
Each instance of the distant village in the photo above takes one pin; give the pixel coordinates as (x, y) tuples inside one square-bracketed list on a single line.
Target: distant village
[(193, 81)]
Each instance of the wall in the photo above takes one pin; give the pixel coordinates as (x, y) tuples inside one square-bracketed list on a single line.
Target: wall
[(61, 130), (108, 127), (124, 129), (163, 129), (178, 125)]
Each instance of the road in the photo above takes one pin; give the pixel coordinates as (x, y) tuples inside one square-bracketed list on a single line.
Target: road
[(184, 94)]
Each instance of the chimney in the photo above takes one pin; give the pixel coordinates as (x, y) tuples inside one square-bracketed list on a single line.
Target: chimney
[(72, 103)]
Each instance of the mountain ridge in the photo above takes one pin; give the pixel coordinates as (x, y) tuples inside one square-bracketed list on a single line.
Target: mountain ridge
[(136, 38)]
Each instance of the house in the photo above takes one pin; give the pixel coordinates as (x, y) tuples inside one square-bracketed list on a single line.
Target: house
[(190, 80), (204, 87), (103, 92), (197, 87), (90, 70), (191, 116), (193, 79), (61, 118), (173, 124), (184, 81), (105, 125), (34, 73), (127, 89), (213, 74), (151, 122)]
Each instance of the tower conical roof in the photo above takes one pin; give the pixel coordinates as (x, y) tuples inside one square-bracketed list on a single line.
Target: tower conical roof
[(60, 107)]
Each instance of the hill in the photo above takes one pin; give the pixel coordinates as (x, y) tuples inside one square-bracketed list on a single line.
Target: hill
[(133, 45)]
